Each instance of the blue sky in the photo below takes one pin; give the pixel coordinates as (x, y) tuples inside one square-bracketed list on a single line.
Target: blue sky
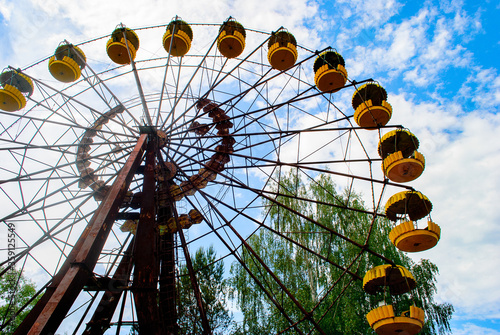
[(438, 61)]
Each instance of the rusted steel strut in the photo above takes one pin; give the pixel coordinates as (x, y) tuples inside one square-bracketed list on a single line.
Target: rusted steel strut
[(146, 269), (101, 319), (52, 308)]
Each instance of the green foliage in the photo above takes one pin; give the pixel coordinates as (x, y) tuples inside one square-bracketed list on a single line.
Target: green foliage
[(15, 292), (213, 289), (318, 282)]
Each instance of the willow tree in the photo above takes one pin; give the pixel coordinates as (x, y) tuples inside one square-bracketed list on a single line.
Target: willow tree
[(319, 281), (15, 293), (213, 291)]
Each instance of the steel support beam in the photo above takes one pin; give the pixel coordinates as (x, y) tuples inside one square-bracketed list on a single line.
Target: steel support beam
[(30, 319), (89, 247), (101, 319), (145, 285), (168, 293)]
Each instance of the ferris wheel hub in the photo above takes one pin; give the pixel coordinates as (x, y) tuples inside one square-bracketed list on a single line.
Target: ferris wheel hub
[(147, 129)]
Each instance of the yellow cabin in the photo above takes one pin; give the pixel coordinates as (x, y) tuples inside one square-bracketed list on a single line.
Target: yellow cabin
[(371, 110), (406, 237), (67, 63), (15, 87), (185, 221), (188, 188), (384, 321), (129, 226), (330, 74), (231, 39), (176, 192), (397, 278), (178, 37), (282, 52), (123, 45), (412, 204), (195, 216), (401, 160)]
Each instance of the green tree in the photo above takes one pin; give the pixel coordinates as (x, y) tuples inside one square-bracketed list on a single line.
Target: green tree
[(15, 291), (340, 308), (213, 290)]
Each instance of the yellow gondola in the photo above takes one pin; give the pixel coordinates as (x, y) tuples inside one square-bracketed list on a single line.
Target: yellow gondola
[(413, 204), (188, 188), (171, 170), (183, 220), (178, 37), (231, 39), (396, 278), (371, 109), (207, 174), (282, 52), (410, 239), (176, 192), (165, 171), (87, 176), (195, 216), (330, 74), (401, 160), (129, 226), (198, 181), (122, 42), (383, 320), (15, 87), (67, 63)]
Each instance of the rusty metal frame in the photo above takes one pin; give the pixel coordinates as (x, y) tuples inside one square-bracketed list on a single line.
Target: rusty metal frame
[(52, 308), (109, 301), (146, 269)]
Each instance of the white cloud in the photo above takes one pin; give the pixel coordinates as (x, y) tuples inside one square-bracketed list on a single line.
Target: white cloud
[(360, 14), (422, 47), (393, 46), (483, 88), (41, 25), (472, 329), (6, 9)]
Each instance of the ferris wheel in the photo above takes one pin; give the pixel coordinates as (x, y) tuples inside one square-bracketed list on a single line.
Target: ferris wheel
[(117, 163)]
